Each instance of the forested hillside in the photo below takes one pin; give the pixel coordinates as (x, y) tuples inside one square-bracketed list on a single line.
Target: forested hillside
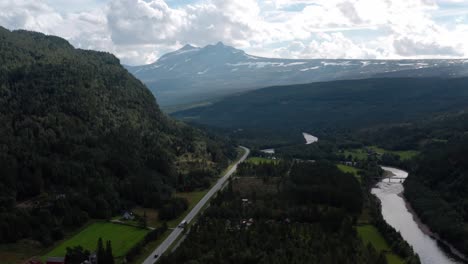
[(438, 189), (81, 137), (283, 220), (286, 212), (324, 108), (417, 134)]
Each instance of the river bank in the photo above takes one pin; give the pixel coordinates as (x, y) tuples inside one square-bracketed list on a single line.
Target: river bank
[(449, 249), (398, 213)]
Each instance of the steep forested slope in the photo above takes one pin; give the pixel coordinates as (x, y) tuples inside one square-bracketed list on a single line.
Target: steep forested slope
[(81, 137), (438, 189), (341, 105), (417, 134)]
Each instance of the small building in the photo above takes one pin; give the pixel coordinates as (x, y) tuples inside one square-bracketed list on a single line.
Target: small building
[(128, 216), (55, 260)]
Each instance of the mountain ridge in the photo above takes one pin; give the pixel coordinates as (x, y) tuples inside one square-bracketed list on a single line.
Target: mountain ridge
[(193, 74)]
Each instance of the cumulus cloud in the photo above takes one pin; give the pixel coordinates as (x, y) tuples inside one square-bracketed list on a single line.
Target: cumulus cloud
[(411, 47), (139, 31), (142, 22), (328, 45), (26, 14)]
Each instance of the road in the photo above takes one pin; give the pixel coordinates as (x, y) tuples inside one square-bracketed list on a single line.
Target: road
[(178, 231)]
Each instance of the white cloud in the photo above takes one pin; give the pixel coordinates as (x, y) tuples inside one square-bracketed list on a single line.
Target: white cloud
[(328, 45), (26, 14), (142, 22), (138, 31)]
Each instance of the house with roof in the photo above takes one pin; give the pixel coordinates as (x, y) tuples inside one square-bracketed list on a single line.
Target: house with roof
[(128, 216)]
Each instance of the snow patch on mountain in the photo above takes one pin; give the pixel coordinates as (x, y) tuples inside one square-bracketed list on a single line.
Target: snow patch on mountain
[(309, 69)]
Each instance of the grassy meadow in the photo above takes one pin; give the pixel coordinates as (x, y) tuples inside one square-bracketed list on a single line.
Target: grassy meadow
[(123, 237), (370, 235)]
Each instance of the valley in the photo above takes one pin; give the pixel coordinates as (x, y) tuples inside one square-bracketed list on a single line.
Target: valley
[(431, 140), (261, 160)]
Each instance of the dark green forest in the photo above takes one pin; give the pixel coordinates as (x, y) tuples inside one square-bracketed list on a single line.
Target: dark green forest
[(289, 212), (82, 138), (438, 190), (277, 115), (272, 227), (417, 134)]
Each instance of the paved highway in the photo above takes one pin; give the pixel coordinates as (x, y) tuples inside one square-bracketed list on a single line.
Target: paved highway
[(178, 231)]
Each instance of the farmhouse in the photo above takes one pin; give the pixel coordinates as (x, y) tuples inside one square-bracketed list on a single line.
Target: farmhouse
[(128, 216)]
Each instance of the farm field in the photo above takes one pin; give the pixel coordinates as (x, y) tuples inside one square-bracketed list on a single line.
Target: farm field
[(122, 237), (361, 153), (349, 169), (370, 234), (258, 160), (404, 155)]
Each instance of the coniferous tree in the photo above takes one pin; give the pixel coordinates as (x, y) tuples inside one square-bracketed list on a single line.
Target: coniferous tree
[(76, 255), (108, 253), (100, 252), (144, 220)]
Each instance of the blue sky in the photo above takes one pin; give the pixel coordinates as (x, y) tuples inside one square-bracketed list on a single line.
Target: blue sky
[(140, 31)]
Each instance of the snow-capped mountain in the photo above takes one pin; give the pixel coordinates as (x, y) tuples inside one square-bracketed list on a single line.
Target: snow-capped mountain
[(194, 74)]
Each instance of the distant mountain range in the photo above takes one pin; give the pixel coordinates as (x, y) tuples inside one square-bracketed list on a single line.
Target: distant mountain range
[(192, 74)]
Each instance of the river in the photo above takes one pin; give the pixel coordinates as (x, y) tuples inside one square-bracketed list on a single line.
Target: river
[(310, 139), (396, 213)]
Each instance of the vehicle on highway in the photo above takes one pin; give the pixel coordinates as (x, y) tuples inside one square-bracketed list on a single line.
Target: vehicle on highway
[(183, 224)]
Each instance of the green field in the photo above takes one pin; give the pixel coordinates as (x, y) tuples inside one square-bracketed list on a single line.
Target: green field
[(404, 155), (258, 160), (349, 169), (370, 234), (361, 153), (123, 238)]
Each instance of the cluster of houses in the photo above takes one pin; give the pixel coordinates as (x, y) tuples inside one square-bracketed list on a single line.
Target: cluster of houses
[(247, 223), (349, 163), (243, 224)]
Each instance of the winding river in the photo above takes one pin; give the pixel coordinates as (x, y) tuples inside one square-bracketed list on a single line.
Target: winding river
[(397, 214)]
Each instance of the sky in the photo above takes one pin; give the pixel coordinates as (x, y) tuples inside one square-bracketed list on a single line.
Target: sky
[(140, 31)]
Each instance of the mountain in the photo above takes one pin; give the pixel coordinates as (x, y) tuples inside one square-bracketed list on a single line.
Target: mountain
[(82, 138), (320, 108), (194, 74)]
